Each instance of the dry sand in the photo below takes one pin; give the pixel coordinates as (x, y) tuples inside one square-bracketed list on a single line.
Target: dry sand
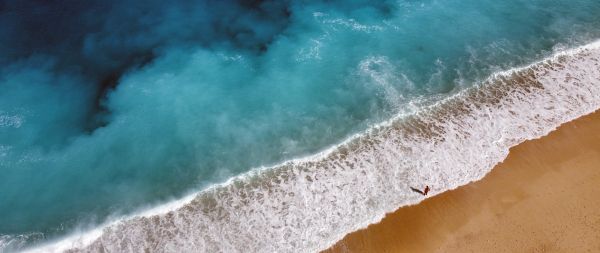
[(545, 197)]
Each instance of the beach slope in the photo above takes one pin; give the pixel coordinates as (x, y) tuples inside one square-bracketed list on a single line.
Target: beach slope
[(542, 198)]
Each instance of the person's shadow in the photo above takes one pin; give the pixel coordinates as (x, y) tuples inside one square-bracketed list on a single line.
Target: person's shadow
[(417, 191)]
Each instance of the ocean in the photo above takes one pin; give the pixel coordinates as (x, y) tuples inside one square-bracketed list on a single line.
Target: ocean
[(267, 126)]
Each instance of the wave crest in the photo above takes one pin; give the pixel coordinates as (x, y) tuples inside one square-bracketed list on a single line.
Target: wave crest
[(308, 204)]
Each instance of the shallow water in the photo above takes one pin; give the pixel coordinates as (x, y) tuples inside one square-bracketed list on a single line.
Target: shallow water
[(143, 103)]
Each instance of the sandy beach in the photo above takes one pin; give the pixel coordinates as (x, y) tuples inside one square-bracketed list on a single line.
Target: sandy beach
[(542, 198)]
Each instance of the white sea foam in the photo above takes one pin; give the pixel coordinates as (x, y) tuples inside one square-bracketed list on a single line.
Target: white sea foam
[(308, 204)]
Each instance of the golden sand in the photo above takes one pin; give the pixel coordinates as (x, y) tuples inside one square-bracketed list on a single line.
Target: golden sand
[(545, 197)]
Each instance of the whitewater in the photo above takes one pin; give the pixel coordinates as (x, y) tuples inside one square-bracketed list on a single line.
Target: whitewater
[(271, 125), (307, 204)]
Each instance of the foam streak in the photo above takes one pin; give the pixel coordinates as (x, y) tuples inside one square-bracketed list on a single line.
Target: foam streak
[(308, 204)]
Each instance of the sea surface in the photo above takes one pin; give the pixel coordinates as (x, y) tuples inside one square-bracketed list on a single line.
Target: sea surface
[(267, 126)]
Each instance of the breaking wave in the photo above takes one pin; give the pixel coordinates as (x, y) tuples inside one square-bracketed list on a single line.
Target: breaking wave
[(308, 204)]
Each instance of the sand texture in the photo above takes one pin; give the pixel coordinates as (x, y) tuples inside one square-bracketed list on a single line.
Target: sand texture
[(545, 197)]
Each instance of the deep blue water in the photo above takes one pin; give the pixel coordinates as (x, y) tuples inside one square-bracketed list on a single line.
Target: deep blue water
[(108, 106)]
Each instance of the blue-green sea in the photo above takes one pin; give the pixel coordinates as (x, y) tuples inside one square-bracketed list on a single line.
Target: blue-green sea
[(112, 107)]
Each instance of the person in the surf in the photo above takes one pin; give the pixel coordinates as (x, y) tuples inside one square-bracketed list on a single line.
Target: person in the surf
[(424, 192)]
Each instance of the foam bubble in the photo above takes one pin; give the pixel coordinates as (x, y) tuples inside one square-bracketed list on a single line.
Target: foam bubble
[(308, 204)]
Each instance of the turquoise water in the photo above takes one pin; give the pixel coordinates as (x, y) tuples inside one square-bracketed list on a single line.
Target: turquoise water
[(131, 104)]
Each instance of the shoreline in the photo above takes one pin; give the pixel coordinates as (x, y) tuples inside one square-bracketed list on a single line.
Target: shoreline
[(239, 205), (540, 198)]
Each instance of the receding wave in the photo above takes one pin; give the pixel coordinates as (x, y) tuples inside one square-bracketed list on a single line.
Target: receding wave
[(306, 205)]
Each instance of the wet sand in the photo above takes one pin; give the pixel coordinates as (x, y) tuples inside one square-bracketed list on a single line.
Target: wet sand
[(545, 197)]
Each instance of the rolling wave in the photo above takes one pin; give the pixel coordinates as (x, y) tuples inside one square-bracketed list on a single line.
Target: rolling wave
[(308, 204)]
